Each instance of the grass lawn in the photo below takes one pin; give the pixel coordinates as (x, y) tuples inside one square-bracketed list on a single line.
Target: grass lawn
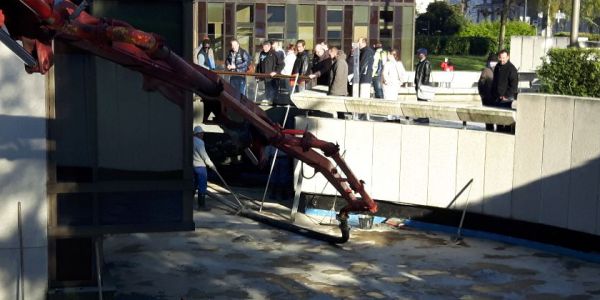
[(461, 63)]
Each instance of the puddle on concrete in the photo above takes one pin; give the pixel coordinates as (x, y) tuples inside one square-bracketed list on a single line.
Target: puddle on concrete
[(510, 287), (135, 248), (505, 269)]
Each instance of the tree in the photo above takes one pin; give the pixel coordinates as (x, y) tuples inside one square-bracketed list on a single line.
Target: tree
[(503, 18), (464, 7), (549, 9), (440, 19), (590, 12)]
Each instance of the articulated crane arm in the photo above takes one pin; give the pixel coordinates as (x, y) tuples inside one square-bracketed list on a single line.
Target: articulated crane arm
[(37, 22)]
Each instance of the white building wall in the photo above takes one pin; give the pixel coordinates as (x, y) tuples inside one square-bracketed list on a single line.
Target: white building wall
[(22, 179)]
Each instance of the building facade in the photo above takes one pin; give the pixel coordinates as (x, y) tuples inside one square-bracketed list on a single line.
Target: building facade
[(336, 22)]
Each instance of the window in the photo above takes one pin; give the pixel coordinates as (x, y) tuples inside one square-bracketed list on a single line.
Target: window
[(275, 22), (360, 18), (360, 32), (244, 32), (335, 14), (275, 14), (306, 25), (335, 17), (306, 33), (334, 32), (244, 37), (360, 15), (215, 28), (386, 23), (306, 13), (244, 13)]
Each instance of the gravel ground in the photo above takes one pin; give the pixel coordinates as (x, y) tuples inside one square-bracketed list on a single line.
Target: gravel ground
[(231, 257)]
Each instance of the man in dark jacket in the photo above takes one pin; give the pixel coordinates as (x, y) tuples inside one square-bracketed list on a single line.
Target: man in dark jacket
[(301, 65), (238, 60), (422, 71), (338, 76), (321, 65), (365, 68), (269, 63), (506, 81)]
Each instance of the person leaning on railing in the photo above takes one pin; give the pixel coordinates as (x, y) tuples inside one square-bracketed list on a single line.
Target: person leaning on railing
[(321, 65), (238, 61), (301, 64), (269, 63)]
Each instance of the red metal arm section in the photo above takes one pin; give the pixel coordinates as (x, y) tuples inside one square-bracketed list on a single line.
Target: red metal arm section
[(168, 73)]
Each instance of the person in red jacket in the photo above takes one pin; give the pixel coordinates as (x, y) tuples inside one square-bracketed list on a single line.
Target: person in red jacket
[(447, 65)]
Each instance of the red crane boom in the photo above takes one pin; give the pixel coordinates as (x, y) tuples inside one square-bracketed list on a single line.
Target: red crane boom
[(37, 22)]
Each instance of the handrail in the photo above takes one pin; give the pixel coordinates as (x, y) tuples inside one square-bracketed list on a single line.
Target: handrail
[(260, 75)]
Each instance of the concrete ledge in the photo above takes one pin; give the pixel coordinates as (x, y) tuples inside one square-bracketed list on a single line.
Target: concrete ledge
[(406, 106)]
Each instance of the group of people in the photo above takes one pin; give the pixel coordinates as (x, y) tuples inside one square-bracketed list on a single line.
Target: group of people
[(379, 69), (272, 60)]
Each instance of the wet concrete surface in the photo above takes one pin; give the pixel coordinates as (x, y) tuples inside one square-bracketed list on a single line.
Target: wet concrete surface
[(231, 257)]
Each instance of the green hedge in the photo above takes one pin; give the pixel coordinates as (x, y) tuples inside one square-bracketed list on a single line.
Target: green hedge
[(454, 45), (491, 30), (590, 36), (571, 71)]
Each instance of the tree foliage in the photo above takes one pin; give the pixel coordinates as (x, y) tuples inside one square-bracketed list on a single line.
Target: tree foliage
[(590, 12), (440, 19), (492, 29), (571, 71)]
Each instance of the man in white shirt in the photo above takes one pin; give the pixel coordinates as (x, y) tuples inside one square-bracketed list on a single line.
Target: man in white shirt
[(200, 162)]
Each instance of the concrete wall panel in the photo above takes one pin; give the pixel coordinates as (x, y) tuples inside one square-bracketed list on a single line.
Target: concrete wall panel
[(330, 130), (308, 185), (23, 175), (35, 268), (583, 193), (499, 161), (359, 150), (555, 178), (470, 165), (516, 44), (9, 273), (387, 147), (414, 160), (529, 144), (541, 46), (443, 143), (527, 55)]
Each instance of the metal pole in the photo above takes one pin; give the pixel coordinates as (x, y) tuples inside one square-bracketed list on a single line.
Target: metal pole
[(227, 187), (575, 23), (262, 202), (21, 255), (98, 269), (297, 190), (17, 49), (464, 212), (356, 70)]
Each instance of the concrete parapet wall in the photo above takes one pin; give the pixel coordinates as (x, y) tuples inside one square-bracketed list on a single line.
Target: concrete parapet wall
[(22, 179), (407, 107), (526, 52), (548, 172)]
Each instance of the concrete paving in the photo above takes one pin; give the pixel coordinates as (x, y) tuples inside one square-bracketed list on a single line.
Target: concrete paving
[(231, 257)]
